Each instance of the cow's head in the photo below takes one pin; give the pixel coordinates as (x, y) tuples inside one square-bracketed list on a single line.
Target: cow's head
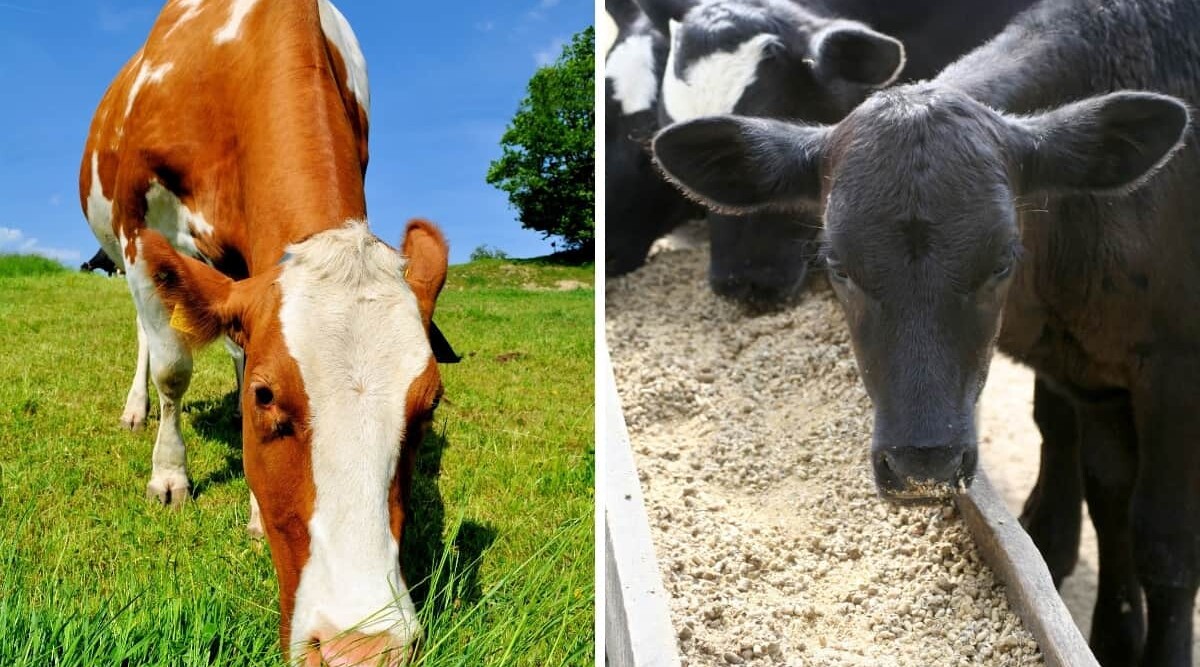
[(341, 384), (919, 190), (769, 59)]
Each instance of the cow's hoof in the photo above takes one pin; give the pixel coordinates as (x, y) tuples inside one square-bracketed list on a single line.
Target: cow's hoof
[(134, 420), (170, 489)]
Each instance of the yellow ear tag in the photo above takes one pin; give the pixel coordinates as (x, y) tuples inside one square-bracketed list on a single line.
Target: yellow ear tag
[(179, 321)]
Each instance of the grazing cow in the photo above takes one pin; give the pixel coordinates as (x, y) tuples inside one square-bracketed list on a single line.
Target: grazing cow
[(224, 167), (101, 261), (1017, 187), (640, 205), (798, 60)]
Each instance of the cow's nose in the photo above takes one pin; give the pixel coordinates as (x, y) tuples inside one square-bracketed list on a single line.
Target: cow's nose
[(760, 288), (360, 650), (923, 472)]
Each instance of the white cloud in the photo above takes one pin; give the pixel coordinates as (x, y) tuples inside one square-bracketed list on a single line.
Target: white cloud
[(547, 55), (547, 4), (55, 199), (485, 26), (15, 241)]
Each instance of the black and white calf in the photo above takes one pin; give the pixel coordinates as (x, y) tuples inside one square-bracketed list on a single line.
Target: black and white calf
[(808, 60), (640, 205), (1021, 199)]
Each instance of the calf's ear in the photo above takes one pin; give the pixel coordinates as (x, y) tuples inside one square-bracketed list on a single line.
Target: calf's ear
[(1111, 143), (663, 12), (201, 302), (855, 53), (739, 165)]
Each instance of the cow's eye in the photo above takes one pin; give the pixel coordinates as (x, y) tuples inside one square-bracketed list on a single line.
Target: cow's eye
[(437, 400), (263, 396), (1002, 270)]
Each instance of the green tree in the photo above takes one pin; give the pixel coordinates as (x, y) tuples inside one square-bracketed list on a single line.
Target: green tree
[(548, 163)]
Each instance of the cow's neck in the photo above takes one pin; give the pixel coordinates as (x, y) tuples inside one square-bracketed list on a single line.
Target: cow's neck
[(299, 159), (1049, 56)]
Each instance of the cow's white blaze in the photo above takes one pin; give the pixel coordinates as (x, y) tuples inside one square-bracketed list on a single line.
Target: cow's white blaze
[(353, 327), (337, 31), (237, 14), (630, 67), (167, 215), (146, 74), (713, 84)]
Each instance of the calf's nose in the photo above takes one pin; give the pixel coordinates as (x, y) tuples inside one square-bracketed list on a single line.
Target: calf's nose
[(360, 650), (918, 472)]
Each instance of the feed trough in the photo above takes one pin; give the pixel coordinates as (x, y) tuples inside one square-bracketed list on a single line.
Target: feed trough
[(749, 434)]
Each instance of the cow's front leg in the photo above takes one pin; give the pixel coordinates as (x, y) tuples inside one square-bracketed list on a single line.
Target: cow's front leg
[(1053, 512), (1110, 462), (1166, 510), (137, 402), (254, 526), (171, 370)]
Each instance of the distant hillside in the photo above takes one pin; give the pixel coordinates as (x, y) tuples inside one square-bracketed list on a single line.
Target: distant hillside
[(27, 265)]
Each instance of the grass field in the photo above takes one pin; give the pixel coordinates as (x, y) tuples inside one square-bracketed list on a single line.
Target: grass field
[(499, 551)]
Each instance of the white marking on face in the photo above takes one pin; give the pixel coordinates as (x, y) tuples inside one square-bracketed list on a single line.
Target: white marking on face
[(352, 325), (233, 25), (146, 74), (167, 215), (99, 216), (337, 31), (713, 84), (191, 9), (630, 67)]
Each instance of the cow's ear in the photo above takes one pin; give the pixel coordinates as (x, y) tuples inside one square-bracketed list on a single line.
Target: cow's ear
[(1110, 143), (201, 302), (739, 165), (428, 256), (663, 12), (855, 53)]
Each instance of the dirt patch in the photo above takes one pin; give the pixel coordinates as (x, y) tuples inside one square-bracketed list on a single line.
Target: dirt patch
[(559, 285), (751, 437)]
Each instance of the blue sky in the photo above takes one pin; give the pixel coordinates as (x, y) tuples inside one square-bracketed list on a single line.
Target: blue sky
[(445, 79)]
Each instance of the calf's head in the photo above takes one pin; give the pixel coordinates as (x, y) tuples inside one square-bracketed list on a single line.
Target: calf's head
[(918, 190), (770, 59), (341, 384)]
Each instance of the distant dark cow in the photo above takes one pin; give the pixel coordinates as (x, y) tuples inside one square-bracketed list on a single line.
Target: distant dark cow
[(946, 214), (640, 205), (798, 60), (101, 261)]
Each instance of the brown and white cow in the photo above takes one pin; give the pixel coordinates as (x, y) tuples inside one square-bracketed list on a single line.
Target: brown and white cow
[(224, 172)]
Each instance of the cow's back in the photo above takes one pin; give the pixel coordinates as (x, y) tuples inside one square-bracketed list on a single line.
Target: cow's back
[(192, 136)]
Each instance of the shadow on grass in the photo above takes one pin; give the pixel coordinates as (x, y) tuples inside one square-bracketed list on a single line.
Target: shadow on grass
[(214, 419), (441, 575)]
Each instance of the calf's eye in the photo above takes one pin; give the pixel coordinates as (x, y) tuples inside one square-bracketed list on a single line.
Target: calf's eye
[(1002, 271)]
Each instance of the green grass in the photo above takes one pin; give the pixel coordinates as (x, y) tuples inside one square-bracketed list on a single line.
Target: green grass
[(27, 265), (498, 552)]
